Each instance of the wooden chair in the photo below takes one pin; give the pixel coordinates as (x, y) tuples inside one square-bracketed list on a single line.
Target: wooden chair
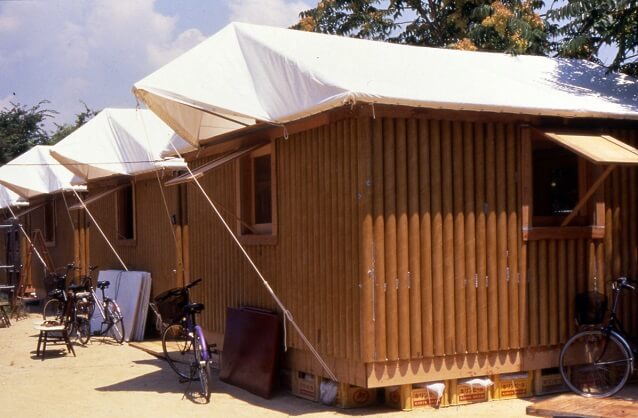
[(55, 332)]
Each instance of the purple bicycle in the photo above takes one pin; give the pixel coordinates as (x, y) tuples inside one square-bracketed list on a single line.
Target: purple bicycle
[(183, 341)]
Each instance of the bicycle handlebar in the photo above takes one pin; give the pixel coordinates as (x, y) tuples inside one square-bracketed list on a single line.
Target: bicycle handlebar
[(193, 283), (625, 283)]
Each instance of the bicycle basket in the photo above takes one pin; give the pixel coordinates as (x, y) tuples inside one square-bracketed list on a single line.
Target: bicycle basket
[(590, 308), (170, 304), (53, 282)]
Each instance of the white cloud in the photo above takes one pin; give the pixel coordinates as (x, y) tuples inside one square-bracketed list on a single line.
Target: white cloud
[(161, 54), (93, 51), (5, 102), (266, 12)]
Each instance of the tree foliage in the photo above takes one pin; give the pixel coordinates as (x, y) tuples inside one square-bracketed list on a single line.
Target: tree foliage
[(22, 127), (585, 27), (496, 25), (65, 130)]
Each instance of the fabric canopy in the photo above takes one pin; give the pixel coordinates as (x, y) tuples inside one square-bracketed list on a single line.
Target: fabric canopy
[(8, 198), (36, 172), (120, 142), (247, 73), (599, 149)]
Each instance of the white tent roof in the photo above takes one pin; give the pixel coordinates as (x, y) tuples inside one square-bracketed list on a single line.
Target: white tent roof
[(119, 142), (36, 172), (7, 197), (247, 72)]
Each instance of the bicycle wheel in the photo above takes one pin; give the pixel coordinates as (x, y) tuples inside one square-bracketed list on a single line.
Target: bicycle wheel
[(201, 362), (115, 321), (83, 329), (595, 364), (53, 310), (178, 350)]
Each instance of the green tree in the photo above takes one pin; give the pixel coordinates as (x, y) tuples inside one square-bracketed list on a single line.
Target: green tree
[(497, 25), (22, 127), (64, 130), (585, 27)]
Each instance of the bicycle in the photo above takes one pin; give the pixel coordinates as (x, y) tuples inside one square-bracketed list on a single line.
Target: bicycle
[(597, 362), (112, 320), (183, 341)]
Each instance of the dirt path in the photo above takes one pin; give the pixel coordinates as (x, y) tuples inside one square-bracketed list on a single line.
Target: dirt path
[(107, 380)]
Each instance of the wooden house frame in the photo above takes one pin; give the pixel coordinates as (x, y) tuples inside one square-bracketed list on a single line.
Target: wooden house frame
[(402, 247)]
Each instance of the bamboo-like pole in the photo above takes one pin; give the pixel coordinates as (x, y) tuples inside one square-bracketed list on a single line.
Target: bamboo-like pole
[(492, 253), (523, 316), (571, 286), (563, 301), (448, 237), (402, 239), (77, 250), (533, 284), (503, 257), (333, 230), (392, 280), (349, 254), (470, 238), (324, 208), (617, 234), (379, 242), (426, 238), (552, 301), (364, 151), (481, 239), (338, 250), (459, 238), (83, 241), (581, 267), (438, 298), (342, 277), (414, 245), (290, 165), (543, 294), (283, 228), (354, 227), (512, 237)]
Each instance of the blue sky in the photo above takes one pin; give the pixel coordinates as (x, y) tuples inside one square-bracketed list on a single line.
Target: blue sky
[(66, 51)]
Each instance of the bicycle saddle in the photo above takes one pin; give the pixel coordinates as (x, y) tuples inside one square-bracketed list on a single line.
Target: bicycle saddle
[(194, 307), (103, 285)]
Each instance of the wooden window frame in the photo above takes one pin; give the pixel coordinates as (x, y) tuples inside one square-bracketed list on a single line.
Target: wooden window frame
[(264, 234), (593, 209), (126, 241), (49, 203)]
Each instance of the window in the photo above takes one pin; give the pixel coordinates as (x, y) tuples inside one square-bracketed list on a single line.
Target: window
[(125, 213), (556, 176), (256, 195), (49, 223), (562, 192)]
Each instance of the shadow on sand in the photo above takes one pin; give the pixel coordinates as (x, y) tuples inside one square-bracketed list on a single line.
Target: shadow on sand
[(164, 380)]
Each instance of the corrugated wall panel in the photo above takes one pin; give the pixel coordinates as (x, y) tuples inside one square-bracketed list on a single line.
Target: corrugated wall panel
[(313, 266), (154, 247)]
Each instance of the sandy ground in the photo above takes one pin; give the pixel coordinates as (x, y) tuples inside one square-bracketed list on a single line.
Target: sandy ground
[(109, 380)]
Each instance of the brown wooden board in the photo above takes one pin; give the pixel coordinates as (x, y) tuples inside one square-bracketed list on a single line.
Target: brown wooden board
[(251, 350), (571, 405)]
